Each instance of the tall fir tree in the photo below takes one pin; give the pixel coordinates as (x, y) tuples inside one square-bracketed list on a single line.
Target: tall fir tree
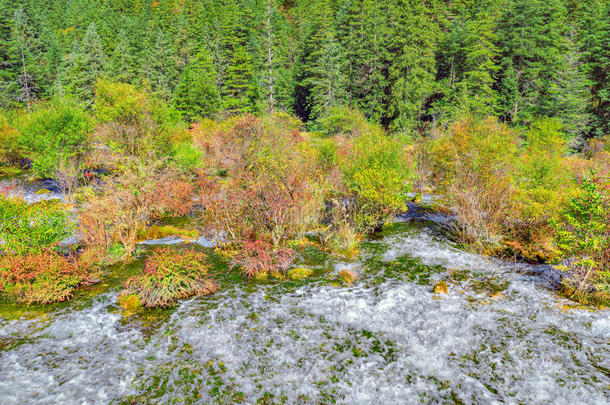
[(532, 44), (161, 67), (121, 64), (466, 61), (7, 71), (571, 95), (240, 87), (595, 45), (363, 30), (413, 42), (322, 80), (23, 46), (84, 66), (197, 94)]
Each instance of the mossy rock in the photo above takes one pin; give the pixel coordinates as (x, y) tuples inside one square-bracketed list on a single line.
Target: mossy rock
[(43, 191), (347, 277), (300, 274), (130, 302), (440, 288), (261, 276), (277, 275)]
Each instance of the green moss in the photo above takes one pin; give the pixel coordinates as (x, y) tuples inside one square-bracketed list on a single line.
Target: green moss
[(163, 231), (129, 302), (300, 273)]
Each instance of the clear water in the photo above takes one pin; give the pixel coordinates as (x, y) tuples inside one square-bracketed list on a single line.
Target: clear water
[(32, 191), (387, 339)]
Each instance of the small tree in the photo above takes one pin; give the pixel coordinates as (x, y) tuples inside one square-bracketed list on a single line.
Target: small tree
[(54, 132), (583, 235)]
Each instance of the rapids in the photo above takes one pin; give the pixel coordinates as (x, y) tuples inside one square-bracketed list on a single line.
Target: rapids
[(387, 339)]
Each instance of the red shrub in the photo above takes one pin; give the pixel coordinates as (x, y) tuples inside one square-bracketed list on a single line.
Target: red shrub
[(256, 258), (172, 197), (171, 275), (43, 278), (262, 183)]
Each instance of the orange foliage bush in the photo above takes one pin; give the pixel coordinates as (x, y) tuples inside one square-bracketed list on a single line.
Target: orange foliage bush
[(260, 184), (471, 165), (43, 277), (169, 276), (126, 204), (172, 196)]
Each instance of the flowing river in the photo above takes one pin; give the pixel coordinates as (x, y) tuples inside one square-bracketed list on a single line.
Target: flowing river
[(386, 339)]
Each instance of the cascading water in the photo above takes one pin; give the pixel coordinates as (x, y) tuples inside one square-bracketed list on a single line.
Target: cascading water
[(387, 339)]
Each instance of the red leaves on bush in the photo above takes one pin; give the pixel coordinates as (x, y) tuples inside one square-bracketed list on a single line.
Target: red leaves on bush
[(43, 278), (172, 197), (258, 257), (252, 210), (171, 275)]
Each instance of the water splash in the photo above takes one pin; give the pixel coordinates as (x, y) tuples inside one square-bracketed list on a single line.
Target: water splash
[(387, 339)]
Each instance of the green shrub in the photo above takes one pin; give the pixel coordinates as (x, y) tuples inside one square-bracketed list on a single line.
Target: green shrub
[(170, 276), (343, 120), (133, 122), (186, 155), (26, 229), (327, 154), (54, 132), (10, 150), (541, 175), (472, 164), (378, 171), (583, 236)]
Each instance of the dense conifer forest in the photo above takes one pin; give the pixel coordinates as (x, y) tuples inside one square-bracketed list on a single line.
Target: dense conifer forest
[(405, 64)]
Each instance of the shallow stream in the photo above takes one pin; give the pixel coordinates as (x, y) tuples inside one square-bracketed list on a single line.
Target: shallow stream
[(387, 339)]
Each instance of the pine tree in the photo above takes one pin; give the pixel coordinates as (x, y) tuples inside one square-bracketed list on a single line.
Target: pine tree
[(7, 62), (270, 55), (328, 82), (571, 95), (322, 81), (532, 45), (85, 65), (363, 31), (595, 31), (121, 64), (23, 43), (197, 94), (466, 62), (412, 66), (161, 68), (240, 87)]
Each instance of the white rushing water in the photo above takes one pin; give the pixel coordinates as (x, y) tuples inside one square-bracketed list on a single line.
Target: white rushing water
[(388, 339)]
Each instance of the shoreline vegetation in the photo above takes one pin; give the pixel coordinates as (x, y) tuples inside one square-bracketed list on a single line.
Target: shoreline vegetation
[(270, 187), (304, 129)]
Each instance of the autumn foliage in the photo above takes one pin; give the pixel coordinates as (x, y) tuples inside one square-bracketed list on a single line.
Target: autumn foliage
[(171, 275), (43, 277)]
